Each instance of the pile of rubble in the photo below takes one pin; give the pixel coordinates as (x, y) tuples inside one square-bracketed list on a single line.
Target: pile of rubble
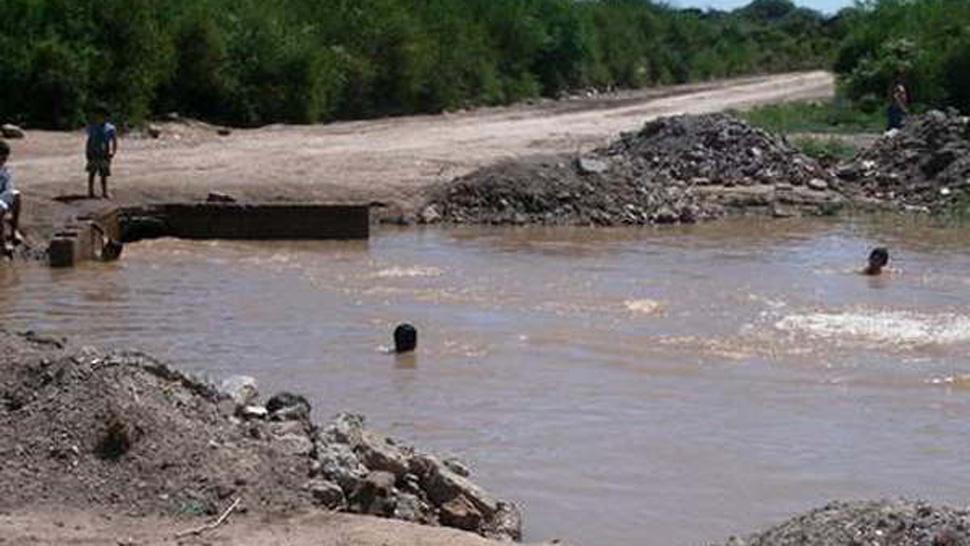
[(924, 166), (92, 430), (876, 523), (676, 169)]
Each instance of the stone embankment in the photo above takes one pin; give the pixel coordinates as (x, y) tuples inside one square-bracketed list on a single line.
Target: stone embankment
[(123, 431), (872, 523), (674, 170), (689, 168), (923, 167)]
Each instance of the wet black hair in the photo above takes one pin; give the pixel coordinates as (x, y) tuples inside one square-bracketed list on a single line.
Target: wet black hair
[(405, 338), (879, 256), (101, 108), (4, 149)]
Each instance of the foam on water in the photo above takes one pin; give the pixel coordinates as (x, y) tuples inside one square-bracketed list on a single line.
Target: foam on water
[(403, 272), (644, 306), (900, 328)]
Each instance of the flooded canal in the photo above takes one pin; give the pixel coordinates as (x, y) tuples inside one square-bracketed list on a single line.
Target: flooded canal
[(668, 386)]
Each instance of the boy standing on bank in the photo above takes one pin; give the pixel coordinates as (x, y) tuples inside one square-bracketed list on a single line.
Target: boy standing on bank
[(9, 203), (101, 148)]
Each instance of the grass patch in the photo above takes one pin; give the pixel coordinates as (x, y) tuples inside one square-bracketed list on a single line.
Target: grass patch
[(837, 117), (827, 150)]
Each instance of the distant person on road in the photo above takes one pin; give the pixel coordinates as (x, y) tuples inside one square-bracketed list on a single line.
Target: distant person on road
[(101, 148), (9, 204), (898, 104), (878, 259)]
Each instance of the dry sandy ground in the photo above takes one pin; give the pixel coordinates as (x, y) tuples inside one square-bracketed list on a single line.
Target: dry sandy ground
[(387, 160), (319, 529)]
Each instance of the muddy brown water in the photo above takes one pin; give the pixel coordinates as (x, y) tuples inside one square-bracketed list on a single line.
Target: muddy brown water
[(641, 386)]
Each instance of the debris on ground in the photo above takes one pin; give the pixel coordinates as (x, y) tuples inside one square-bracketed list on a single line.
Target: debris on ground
[(923, 167), (678, 169), (873, 523), (124, 431)]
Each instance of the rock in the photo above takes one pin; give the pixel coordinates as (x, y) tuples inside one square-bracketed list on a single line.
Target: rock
[(153, 131), (506, 524), (338, 463), (430, 215), (461, 513), (11, 131), (587, 165), (374, 495), (411, 508), (345, 428), (818, 184), (217, 197), (665, 215), (242, 389), (223, 131), (291, 438), (376, 452), (457, 467), (326, 493), (443, 485), (252, 412), (287, 406)]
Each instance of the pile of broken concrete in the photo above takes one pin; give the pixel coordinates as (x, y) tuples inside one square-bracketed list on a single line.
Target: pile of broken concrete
[(679, 169), (121, 430), (923, 167), (876, 523)]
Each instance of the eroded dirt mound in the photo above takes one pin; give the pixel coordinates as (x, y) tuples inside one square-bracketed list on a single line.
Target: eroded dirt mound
[(122, 431), (676, 169), (84, 428), (925, 166), (876, 523)]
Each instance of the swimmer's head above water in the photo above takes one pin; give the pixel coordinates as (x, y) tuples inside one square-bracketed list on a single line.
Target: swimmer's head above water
[(405, 338), (878, 259)]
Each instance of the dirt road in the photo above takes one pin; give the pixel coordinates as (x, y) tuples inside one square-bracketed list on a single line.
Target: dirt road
[(389, 160)]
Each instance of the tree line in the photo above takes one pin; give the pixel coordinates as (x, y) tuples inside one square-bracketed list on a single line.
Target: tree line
[(926, 43), (251, 62)]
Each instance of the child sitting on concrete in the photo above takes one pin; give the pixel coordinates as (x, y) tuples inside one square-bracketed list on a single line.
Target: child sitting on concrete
[(9, 204)]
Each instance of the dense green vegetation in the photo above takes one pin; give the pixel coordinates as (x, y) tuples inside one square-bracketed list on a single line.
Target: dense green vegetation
[(927, 42), (257, 61)]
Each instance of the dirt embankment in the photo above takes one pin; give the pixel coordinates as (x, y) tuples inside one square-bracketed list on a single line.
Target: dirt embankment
[(124, 433)]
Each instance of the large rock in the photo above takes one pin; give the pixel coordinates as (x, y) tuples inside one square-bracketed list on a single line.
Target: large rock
[(326, 493), (242, 389), (9, 130), (461, 513), (443, 485), (287, 406), (374, 495), (377, 452)]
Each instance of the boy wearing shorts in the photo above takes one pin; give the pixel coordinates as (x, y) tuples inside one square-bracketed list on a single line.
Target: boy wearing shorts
[(101, 148)]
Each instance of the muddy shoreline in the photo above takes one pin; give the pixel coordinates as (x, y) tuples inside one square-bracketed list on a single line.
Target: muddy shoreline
[(123, 432)]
